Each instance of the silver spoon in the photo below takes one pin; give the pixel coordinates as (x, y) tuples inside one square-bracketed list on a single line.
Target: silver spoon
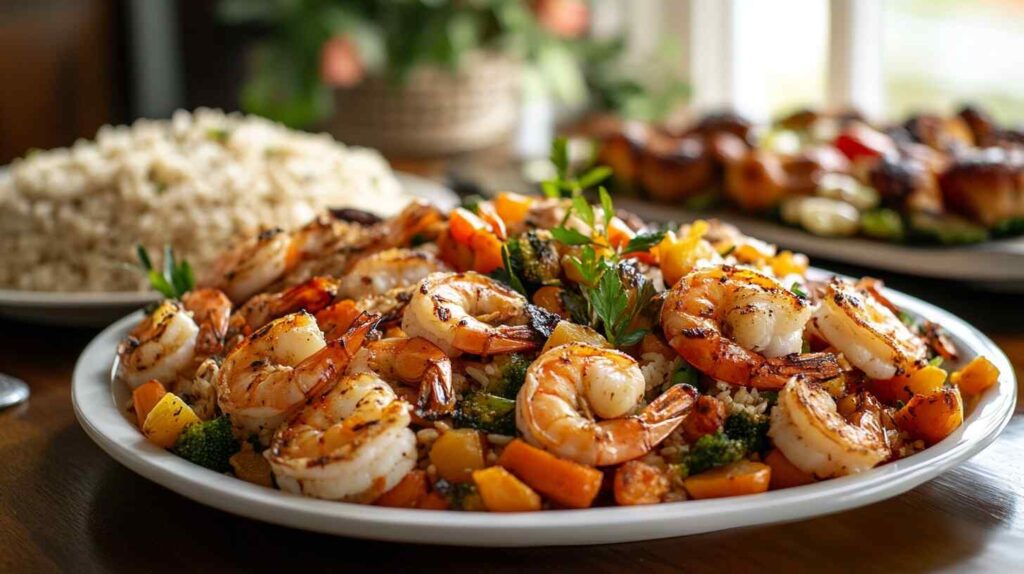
[(12, 391)]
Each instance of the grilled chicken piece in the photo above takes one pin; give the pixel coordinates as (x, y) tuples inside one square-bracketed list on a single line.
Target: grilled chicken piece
[(986, 185)]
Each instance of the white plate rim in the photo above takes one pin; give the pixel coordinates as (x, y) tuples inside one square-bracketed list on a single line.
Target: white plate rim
[(108, 427)]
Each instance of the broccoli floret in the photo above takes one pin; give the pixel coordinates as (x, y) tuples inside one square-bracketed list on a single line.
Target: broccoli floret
[(513, 375), (751, 430), (487, 412), (208, 444), (539, 258), (711, 451)]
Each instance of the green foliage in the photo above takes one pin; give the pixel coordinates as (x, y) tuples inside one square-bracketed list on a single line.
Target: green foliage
[(173, 280), (209, 444), (513, 375), (882, 223), (487, 412), (392, 38), (644, 241)]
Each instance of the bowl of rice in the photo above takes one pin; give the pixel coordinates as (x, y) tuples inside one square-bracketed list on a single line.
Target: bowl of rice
[(71, 218)]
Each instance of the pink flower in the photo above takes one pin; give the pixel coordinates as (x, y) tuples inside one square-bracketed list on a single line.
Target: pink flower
[(340, 65), (565, 18)]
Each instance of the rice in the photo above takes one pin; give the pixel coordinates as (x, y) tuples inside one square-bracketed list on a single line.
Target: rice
[(70, 218)]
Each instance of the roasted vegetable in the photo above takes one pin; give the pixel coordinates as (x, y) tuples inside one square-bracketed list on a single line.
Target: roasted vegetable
[(503, 492), (458, 496), (711, 451), (167, 419), (457, 453), (882, 223), (976, 377), (564, 481), (209, 444), (541, 264), (933, 417), (946, 229), (513, 374), (751, 430), (743, 477), (639, 483), (487, 412)]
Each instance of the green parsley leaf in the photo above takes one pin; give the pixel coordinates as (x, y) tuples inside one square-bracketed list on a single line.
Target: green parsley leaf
[(936, 362), (175, 280), (795, 288), (606, 206), (582, 207), (570, 236), (594, 176), (644, 241), (551, 189), (513, 279), (560, 157)]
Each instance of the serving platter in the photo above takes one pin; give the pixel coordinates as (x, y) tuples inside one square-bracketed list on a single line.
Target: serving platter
[(99, 406), (97, 309), (996, 264)]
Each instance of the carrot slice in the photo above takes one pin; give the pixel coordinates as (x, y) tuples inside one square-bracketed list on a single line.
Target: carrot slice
[(503, 492), (738, 478), (563, 481), (785, 474), (464, 224), (145, 397), (976, 377), (512, 207), (932, 417), (407, 493)]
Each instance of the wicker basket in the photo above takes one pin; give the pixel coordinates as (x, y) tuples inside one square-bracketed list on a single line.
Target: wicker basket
[(435, 112)]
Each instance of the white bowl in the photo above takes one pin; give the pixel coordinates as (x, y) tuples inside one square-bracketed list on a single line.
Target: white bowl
[(96, 401)]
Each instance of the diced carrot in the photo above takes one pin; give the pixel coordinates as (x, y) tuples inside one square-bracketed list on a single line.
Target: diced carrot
[(433, 501), (563, 481), (486, 252), (407, 493), (706, 417), (785, 474), (464, 224), (932, 417), (976, 377), (486, 212), (639, 483), (619, 233), (549, 298), (923, 381), (512, 207), (736, 479), (457, 255), (145, 397), (503, 492), (337, 318)]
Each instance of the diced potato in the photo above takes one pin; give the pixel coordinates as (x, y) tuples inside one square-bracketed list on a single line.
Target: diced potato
[(976, 377), (566, 332), (738, 478), (167, 419), (457, 453), (923, 381), (932, 417), (678, 256), (503, 492)]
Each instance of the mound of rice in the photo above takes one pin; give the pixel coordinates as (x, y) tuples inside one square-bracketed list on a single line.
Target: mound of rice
[(70, 218)]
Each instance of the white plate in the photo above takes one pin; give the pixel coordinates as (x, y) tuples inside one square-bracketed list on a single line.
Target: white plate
[(99, 309), (997, 264), (96, 401)]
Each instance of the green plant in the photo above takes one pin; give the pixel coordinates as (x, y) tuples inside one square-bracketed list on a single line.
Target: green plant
[(293, 70)]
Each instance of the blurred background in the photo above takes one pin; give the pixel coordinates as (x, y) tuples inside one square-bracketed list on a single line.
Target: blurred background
[(433, 77)]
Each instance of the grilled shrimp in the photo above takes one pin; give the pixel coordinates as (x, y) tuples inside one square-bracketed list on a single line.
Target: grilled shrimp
[(273, 370), (411, 361), (469, 313), (310, 296), (870, 335), (379, 273), (174, 339), (806, 427), (253, 264), (352, 442), (579, 402), (741, 327)]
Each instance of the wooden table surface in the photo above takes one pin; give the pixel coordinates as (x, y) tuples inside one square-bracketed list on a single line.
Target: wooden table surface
[(67, 506)]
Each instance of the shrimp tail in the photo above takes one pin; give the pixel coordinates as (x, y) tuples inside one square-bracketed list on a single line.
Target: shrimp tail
[(666, 412), (354, 337), (437, 397), (504, 339), (774, 373)]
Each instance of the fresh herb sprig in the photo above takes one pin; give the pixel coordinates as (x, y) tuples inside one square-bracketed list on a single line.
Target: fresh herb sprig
[(174, 279), (565, 184)]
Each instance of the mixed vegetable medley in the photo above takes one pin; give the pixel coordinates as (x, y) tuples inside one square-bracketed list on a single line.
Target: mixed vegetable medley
[(930, 180), (528, 353)]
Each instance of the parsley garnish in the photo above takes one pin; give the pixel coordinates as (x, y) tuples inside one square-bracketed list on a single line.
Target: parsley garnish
[(795, 288), (565, 184), (936, 362), (644, 241), (174, 280)]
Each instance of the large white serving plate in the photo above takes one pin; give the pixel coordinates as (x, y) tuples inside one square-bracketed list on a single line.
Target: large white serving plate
[(997, 264), (98, 405), (91, 309)]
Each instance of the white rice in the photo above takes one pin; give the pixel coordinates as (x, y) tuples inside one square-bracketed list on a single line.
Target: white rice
[(70, 218)]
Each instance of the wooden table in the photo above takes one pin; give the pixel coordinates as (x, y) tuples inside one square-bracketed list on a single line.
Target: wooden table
[(65, 505)]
